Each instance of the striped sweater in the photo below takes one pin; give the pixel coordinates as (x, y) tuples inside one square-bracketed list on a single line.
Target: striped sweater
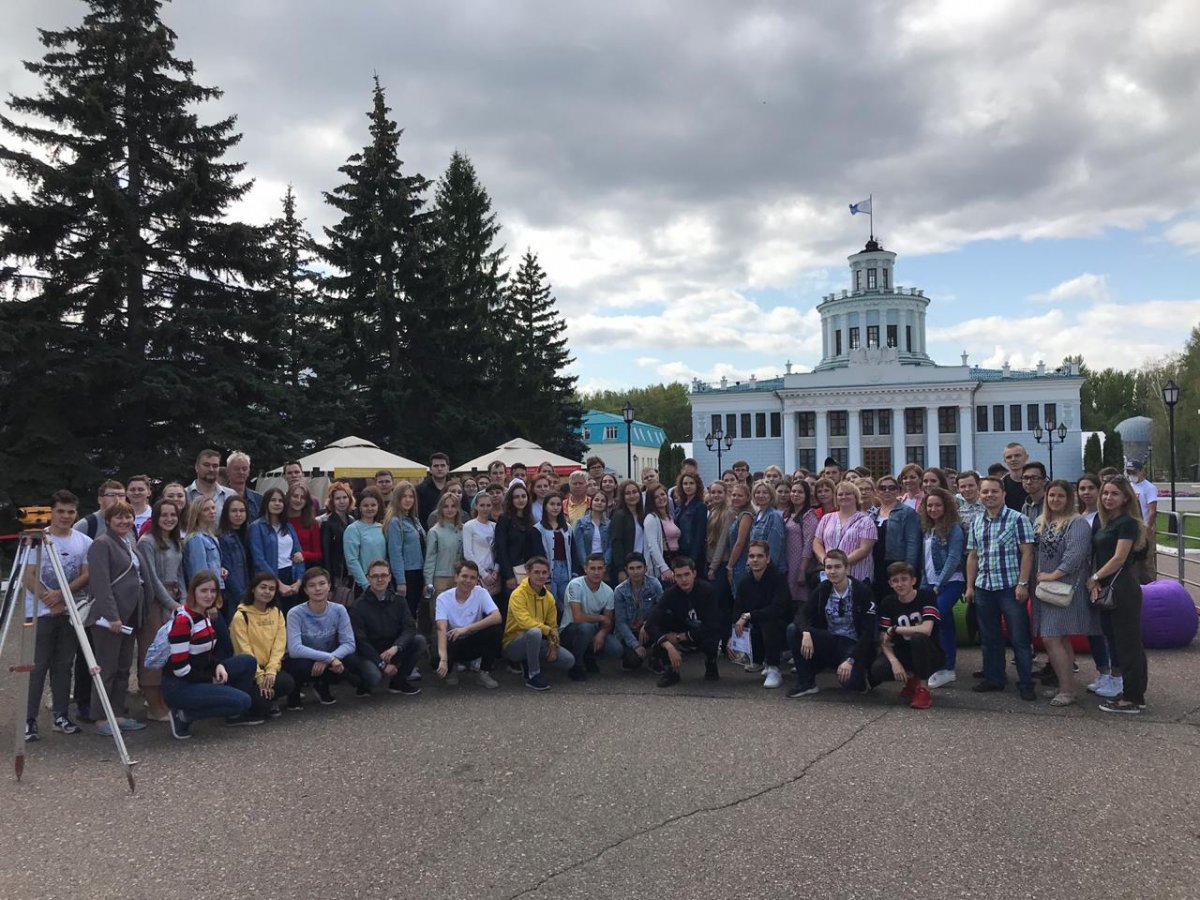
[(193, 641)]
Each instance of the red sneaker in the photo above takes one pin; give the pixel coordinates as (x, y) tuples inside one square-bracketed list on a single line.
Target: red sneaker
[(922, 699), (907, 692)]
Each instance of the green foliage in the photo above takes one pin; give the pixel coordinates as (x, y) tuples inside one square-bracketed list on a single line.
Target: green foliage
[(670, 462), (1108, 397), (1093, 458), (1114, 451), (664, 405)]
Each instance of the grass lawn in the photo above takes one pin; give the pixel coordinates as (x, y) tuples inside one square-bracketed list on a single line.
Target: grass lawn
[(1191, 530)]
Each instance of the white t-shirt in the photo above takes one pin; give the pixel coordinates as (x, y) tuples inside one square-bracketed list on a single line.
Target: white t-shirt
[(594, 603), (639, 538), (1147, 493), (478, 540), (477, 606), (72, 550), (140, 519), (597, 539), (285, 549)]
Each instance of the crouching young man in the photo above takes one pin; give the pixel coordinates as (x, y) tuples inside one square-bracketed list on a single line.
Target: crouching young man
[(531, 631), (834, 630), (386, 641), (587, 621), (908, 623), (468, 626), (687, 613)]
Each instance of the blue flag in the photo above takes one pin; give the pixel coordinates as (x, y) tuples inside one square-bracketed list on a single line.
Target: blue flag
[(862, 206)]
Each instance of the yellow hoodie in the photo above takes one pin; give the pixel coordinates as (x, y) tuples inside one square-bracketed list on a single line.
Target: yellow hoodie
[(527, 610), (263, 635)]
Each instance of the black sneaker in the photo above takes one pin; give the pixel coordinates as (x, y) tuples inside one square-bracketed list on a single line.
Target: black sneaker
[(64, 725), (655, 665), (978, 673), (711, 672), (576, 673), (31, 731), (180, 728), (986, 687), (295, 704), (274, 712), (517, 668), (802, 690), (1027, 692), (84, 714), (245, 719), (324, 694), (404, 688), (591, 666), (362, 693), (668, 678)]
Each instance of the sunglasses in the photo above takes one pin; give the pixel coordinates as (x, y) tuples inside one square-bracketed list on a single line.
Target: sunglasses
[(888, 487)]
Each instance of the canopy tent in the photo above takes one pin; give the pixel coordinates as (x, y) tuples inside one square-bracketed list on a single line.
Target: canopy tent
[(519, 450), (355, 457)]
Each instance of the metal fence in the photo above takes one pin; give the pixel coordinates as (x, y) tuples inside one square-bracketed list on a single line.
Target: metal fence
[(1179, 549)]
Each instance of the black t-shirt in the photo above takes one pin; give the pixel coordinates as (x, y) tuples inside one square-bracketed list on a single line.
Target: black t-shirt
[(1015, 494), (892, 611), (1105, 537)]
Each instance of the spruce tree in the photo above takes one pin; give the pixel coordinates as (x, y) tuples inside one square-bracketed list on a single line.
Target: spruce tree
[(378, 297), (1114, 451), (128, 296), (540, 393), (1093, 456)]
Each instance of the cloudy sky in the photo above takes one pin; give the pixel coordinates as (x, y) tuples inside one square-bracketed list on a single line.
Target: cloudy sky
[(683, 169)]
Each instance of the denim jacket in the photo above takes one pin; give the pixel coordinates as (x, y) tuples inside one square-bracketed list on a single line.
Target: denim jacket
[(768, 526), (626, 614), (692, 519), (264, 548), (947, 557), (405, 546), (201, 554), (237, 563), (581, 541), (903, 536)]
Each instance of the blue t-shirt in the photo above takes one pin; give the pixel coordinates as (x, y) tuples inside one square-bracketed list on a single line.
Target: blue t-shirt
[(839, 613)]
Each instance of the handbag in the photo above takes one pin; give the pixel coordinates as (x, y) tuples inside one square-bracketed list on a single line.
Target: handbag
[(1055, 593), (343, 591), (1105, 600)]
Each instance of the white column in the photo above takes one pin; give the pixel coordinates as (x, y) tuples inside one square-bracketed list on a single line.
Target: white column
[(854, 430), (822, 437), (966, 439), (789, 440), (932, 438), (897, 442)]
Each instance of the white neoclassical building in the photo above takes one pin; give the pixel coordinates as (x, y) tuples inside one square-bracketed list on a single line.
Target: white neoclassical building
[(877, 399)]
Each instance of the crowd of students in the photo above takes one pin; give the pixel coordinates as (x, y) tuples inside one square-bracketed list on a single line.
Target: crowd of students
[(256, 598)]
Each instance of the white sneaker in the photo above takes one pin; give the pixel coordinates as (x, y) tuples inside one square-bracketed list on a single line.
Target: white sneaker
[(773, 679), (942, 677), (752, 667), (486, 680), (1101, 681), (1114, 688)]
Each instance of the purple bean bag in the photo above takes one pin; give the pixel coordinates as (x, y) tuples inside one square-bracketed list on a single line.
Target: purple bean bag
[(1168, 615)]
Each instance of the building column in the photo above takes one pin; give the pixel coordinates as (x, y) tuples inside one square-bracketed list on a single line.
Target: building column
[(789, 440), (854, 432), (822, 437), (898, 439), (932, 438), (966, 439)]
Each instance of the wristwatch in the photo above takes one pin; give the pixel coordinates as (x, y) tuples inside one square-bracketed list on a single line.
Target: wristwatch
[(1022, 584)]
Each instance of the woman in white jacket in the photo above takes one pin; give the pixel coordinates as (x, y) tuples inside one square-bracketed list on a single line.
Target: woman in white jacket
[(555, 532)]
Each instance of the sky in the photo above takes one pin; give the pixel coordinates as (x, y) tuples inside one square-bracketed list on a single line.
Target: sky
[(683, 168)]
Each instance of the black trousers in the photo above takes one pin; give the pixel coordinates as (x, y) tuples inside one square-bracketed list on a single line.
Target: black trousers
[(83, 678), (829, 651), (766, 641), (1126, 621), (699, 638), (284, 685), (481, 645), (300, 671), (918, 654)]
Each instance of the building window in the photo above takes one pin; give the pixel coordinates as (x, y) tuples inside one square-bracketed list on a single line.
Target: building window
[(885, 278), (949, 457), (947, 419), (868, 421), (1031, 416), (892, 335), (1051, 413), (837, 343), (806, 458), (776, 424), (998, 417), (915, 455), (854, 340), (871, 279), (839, 421), (857, 280), (908, 337), (981, 422), (1014, 416), (872, 335), (842, 455), (610, 432), (716, 424), (731, 425), (885, 421), (914, 421), (746, 432), (806, 424), (760, 424)]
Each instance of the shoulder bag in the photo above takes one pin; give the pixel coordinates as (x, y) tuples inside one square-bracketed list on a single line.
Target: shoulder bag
[(1055, 593)]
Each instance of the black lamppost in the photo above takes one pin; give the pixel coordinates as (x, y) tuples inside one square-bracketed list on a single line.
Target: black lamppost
[(718, 441), (627, 414), (1170, 395), (1052, 429)]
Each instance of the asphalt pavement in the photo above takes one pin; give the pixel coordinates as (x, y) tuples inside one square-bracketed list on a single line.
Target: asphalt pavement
[(616, 789)]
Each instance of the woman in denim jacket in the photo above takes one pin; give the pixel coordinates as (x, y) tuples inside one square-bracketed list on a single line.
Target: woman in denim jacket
[(583, 541), (265, 536), (942, 570), (406, 545)]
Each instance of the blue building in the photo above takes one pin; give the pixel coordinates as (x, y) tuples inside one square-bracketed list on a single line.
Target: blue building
[(605, 433)]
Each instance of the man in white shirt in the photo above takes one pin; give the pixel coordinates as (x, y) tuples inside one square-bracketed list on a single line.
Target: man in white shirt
[(588, 618), (137, 492), (468, 626), (1147, 494), (208, 464)]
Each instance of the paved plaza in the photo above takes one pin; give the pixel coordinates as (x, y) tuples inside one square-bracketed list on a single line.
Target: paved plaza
[(617, 789)]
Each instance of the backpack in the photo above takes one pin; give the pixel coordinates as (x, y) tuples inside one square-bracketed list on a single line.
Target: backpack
[(159, 651)]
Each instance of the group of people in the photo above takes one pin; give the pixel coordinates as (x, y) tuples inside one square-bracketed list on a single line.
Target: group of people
[(233, 603)]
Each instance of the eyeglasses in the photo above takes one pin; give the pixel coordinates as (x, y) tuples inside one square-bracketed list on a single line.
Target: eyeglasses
[(380, 575), (888, 487), (1032, 478), (114, 496)]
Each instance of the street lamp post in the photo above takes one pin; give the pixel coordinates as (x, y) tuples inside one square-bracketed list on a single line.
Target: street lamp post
[(1170, 395), (627, 414), (718, 441), (1052, 430)]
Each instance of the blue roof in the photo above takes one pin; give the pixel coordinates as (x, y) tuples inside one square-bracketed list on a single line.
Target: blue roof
[(642, 433)]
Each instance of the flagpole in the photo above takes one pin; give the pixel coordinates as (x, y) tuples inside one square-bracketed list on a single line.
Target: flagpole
[(871, 201)]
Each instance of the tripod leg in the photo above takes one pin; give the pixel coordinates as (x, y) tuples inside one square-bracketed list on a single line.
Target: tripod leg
[(15, 590), (12, 607), (86, 649)]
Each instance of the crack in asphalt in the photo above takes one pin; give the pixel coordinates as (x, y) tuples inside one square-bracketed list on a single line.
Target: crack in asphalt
[(719, 807)]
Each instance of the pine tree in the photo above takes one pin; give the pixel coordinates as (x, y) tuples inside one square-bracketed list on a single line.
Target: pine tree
[(1093, 456), (378, 298), (541, 397), (1114, 451), (124, 281)]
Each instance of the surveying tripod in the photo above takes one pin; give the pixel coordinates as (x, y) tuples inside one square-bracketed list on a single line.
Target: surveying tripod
[(32, 546)]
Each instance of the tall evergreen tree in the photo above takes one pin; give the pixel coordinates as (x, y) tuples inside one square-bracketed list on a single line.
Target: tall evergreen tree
[(541, 398), (1114, 450), (378, 297), (1093, 455), (124, 283)]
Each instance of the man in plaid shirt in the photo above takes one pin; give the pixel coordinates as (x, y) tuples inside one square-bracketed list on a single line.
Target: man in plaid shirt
[(999, 563)]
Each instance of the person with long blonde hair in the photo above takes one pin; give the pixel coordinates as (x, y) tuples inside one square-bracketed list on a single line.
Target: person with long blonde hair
[(405, 538)]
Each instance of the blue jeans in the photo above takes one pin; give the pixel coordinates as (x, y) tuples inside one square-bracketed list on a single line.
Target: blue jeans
[(989, 607), (578, 636), (947, 597), (211, 701), (560, 577)]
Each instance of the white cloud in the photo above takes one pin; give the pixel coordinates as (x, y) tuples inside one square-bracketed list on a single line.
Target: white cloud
[(1086, 286), (1185, 234)]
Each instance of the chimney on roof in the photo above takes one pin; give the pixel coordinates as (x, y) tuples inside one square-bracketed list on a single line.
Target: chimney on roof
[(753, 380), (788, 367), (1006, 368), (1041, 370), (964, 358), (724, 382)]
